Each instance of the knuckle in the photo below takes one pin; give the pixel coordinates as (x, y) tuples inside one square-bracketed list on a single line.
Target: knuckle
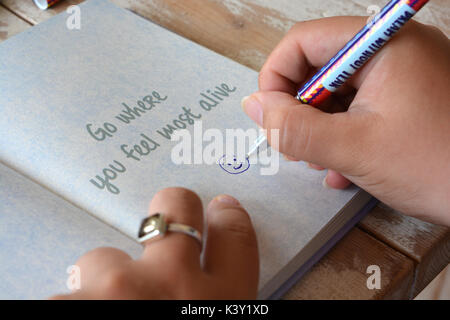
[(436, 30), (298, 26), (425, 32)]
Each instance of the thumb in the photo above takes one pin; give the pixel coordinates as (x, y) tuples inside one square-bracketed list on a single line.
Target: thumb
[(231, 252), (306, 133)]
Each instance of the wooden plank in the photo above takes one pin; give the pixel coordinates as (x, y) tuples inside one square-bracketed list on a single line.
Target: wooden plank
[(280, 14), (245, 38), (28, 11), (428, 245), (245, 31), (341, 274), (10, 24)]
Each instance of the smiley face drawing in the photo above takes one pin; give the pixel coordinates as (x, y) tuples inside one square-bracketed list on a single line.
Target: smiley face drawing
[(235, 166)]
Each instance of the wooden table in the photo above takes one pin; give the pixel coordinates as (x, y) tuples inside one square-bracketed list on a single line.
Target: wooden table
[(410, 253)]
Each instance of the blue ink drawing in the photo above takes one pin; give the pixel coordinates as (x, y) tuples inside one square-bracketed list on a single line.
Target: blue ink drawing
[(235, 166)]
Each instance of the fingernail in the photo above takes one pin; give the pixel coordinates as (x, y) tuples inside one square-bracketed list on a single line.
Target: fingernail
[(224, 198), (325, 184), (252, 107)]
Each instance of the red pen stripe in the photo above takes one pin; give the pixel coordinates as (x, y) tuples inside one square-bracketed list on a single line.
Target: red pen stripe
[(416, 4)]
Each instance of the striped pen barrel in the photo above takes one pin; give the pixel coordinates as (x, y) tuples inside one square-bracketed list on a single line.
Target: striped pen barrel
[(358, 50)]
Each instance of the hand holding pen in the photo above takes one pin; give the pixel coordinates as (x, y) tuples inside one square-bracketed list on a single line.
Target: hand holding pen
[(386, 129)]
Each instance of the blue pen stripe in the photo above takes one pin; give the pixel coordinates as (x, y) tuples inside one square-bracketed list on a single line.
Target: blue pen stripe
[(344, 50)]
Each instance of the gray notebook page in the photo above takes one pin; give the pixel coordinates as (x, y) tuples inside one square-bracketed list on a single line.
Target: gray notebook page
[(42, 236)]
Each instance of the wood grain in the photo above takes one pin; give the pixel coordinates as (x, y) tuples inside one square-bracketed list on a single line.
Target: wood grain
[(29, 12), (247, 31), (428, 245), (341, 274), (10, 24)]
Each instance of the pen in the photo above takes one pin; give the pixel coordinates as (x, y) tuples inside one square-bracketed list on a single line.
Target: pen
[(354, 54)]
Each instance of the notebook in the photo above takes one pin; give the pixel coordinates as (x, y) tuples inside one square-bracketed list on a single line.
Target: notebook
[(88, 134)]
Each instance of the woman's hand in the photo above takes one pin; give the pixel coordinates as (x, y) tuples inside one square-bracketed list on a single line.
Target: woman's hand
[(393, 139), (170, 267)]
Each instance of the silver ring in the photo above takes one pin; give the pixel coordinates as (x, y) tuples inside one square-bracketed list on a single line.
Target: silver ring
[(156, 225)]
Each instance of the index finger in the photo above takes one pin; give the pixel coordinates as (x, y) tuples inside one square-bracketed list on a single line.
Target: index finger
[(307, 45)]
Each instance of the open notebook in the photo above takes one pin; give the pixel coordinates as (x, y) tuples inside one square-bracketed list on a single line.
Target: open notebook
[(58, 87)]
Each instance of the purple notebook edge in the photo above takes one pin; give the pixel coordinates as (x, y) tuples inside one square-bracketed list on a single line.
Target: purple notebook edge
[(322, 251)]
